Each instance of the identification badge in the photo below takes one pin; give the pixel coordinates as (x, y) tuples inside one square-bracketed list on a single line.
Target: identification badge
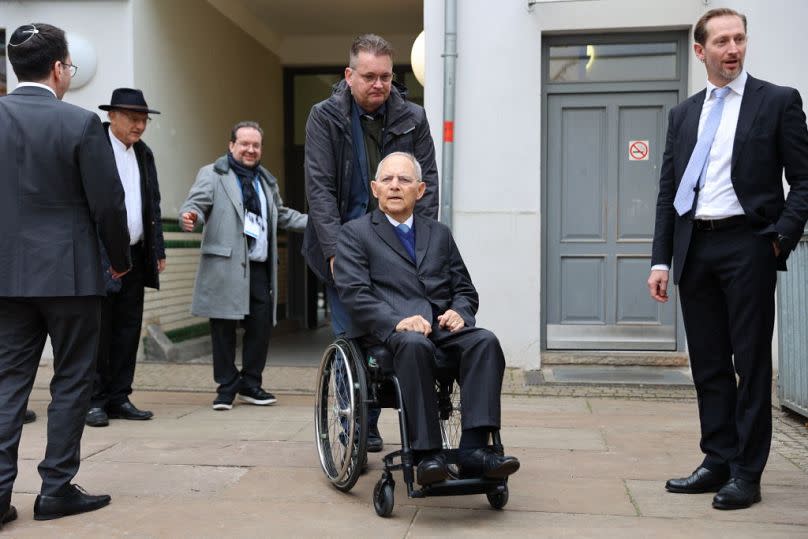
[(254, 225)]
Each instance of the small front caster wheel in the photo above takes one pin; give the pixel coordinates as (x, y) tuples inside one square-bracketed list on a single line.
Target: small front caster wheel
[(383, 497), (499, 498)]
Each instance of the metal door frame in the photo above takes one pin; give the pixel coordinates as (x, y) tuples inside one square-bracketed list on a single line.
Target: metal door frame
[(679, 85)]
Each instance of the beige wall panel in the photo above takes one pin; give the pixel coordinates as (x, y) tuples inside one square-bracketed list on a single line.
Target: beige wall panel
[(204, 74)]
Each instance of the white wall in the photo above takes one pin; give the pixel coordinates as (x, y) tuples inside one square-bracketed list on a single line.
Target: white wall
[(204, 74), (105, 23), (497, 196)]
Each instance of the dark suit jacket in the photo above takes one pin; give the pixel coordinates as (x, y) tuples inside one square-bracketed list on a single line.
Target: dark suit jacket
[(770, 136), (59, 192), (380, 285), (153, 243)]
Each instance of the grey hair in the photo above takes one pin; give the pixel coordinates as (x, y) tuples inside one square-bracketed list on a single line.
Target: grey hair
[(371, 43), (415, 164)]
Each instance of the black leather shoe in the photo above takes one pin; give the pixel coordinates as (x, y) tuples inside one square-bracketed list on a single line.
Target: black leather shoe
[(375, 442), (96, 417), (432, 469), (485, 462), (74, 500), (737, 494), (9, 515), (127, 410), (701, 480), (30, 416)]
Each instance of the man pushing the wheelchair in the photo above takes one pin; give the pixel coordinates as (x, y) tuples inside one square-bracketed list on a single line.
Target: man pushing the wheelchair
[(404, 284)]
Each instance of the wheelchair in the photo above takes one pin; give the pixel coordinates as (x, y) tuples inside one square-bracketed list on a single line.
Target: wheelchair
[(351, 379)]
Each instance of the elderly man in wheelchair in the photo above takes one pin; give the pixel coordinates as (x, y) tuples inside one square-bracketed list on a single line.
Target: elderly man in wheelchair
[(412, 305)]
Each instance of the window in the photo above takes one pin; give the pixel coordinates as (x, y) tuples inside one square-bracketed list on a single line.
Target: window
[(613, 62)]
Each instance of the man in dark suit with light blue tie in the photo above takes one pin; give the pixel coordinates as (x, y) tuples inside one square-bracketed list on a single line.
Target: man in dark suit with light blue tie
[(59, 193), (404, 284), (723, 218)]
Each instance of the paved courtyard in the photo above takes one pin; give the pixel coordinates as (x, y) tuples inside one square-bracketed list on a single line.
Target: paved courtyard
[(594, 462)]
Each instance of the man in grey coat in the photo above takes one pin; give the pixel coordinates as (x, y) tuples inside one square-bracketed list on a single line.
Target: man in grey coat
[(238, 202)]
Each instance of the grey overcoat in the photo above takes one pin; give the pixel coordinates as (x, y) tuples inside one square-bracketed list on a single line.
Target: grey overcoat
[(222, 287)]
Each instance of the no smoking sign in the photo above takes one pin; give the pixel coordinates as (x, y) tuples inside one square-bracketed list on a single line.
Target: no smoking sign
[(638, 150)]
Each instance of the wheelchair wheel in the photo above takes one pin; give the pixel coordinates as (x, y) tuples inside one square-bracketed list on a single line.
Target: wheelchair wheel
[(449, 408), (341, 414), (383, 496), (498, 499)]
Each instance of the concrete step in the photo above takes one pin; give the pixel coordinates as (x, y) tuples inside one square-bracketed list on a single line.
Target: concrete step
[(623, 358)]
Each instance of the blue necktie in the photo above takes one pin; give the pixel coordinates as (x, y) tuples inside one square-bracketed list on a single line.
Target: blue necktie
[(407, 237), (697, 166)]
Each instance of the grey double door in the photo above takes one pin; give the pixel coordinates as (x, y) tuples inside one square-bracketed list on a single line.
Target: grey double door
[(604, 155)]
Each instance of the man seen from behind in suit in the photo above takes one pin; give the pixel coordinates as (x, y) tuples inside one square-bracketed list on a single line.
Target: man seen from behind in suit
[(404, 284), (723, 219), (122, 311), (59, 194)]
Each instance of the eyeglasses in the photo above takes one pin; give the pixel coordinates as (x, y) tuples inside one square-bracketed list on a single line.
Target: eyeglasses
[(371, 78), (405, 181), (73, 69)]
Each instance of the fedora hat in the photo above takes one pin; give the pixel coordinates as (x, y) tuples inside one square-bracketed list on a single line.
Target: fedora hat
[(129, 99)]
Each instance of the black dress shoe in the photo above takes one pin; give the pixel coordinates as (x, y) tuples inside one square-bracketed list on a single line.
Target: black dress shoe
[(485, 462), (30, 416), (375, 442), (432, 469), (8, 515), (72, 501), (737, 494), (127, 410), (701, 480), (96, 417)]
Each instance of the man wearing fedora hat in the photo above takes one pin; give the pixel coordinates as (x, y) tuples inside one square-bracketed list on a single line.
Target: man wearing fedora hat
[(123, 306)]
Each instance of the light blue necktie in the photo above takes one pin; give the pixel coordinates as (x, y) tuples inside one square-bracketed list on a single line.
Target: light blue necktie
[(697, 166), (404, 228)]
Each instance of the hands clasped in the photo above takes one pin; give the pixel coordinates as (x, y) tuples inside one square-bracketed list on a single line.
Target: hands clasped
[(449, 320)]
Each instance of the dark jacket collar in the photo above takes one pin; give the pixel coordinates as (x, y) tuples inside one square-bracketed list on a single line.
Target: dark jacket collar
[(33, 90), (339, 105)]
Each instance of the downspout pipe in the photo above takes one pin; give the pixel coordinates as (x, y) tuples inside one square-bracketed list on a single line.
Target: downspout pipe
[(449, 66)]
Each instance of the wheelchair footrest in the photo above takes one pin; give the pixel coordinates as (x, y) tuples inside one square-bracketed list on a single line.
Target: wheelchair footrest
[(460, 487)]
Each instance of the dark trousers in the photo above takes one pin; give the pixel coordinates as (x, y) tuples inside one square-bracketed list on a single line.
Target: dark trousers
[(480, 370), (121, 320), (727, 291), (257, 325), (73, 324)]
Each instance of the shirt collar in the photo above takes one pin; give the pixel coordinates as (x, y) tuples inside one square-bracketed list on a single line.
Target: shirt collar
[(116, 143), (395, 223), (736, 85), (37, 85)]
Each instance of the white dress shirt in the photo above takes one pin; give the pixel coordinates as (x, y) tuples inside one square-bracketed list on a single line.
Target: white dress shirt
[(260, 247), (130, 179), (717, 198), (395, 223)]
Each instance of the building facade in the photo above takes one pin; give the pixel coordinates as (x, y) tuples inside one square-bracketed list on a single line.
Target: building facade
[(561, 111)]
